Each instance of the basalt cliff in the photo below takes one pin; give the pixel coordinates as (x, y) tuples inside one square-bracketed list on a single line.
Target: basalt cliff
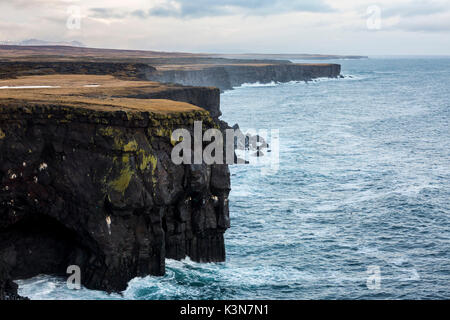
[(224, 76), (86, 177), (90, 182), (227, 77)]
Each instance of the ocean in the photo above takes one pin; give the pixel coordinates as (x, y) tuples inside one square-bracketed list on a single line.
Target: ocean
[(359, 207)]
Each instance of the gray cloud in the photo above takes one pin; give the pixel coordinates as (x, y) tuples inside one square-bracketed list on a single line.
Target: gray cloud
[(428, 16), (34, 3), (107, 13), (416, 8), (429, 26), (112, 23), (202, 8), (139, 13)]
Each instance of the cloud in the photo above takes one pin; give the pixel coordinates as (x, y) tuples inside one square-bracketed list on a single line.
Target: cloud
[(107, 13), (416, 8), (424, 16), (440, 23), (35, 3), (325, 26), (139, 13), (210, 8), (203, 8)]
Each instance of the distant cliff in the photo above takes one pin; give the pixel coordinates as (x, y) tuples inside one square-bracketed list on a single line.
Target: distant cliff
[(229, 76), (224, 77), (14, 69)]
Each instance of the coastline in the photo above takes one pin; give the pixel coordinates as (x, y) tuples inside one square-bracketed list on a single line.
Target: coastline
[(163, 211)]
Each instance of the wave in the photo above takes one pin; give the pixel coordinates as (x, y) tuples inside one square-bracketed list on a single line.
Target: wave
[(258, 84), (46, 287), (316, 80)]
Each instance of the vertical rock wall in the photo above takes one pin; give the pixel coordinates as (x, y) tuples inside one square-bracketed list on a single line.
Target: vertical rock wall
[(99, 190), (227, 77)]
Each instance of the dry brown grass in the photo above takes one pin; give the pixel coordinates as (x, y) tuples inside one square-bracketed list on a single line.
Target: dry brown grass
[(67, 53), (73, 93), (73, 81)]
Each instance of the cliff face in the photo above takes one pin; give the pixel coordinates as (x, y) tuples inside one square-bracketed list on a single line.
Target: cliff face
[(206, 98), (8, 289), (227, 77), (13, 69), (98, 189)]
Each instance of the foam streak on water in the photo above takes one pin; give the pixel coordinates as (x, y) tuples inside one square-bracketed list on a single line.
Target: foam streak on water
[(364, 180)]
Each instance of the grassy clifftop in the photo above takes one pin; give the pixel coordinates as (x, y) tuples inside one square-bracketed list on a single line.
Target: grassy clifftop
[(94, 93)]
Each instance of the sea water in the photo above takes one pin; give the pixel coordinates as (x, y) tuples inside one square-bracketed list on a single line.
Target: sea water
[(358, 209)]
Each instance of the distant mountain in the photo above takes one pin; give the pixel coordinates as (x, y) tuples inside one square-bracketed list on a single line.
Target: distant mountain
[(37, 42)]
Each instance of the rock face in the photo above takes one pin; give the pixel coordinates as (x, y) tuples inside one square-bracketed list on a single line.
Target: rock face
[(12, 69), (205, 97), (8, 289), (98, 189), (227, 77)]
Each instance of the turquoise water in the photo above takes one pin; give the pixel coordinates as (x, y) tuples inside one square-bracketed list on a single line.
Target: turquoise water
[(363, 182)]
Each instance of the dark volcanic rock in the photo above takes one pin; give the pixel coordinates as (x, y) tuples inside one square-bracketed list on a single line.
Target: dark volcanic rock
[(99, 190), (204, 97), (8, 289), (229, 76)]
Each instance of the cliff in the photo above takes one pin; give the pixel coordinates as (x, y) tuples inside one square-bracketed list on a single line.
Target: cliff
[(15, 69), (86, 179), (228, 76), (8, 288), (104, 86), (201, 72), (86, 176)]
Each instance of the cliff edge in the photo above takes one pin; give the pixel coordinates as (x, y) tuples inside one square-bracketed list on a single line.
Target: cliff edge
[(226, 77), (86, 179)]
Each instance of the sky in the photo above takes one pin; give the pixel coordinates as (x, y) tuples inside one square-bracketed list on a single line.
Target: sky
[(359, 27)]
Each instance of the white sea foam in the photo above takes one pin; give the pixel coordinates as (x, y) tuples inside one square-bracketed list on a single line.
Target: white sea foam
[(44, 287), (316, 80), (258, 84)]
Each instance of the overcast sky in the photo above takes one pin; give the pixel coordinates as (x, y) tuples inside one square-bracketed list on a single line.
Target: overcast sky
[(236, 26)]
